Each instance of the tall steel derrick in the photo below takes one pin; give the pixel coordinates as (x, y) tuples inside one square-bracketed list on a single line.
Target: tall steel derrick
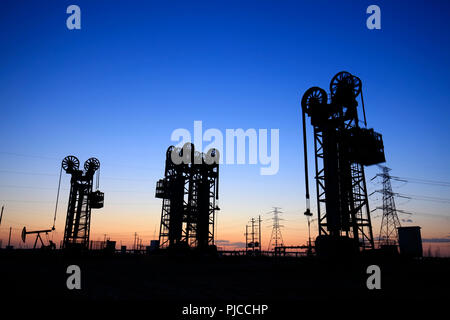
[(189, 191), (82, 199), (389, 221), (342, 149)]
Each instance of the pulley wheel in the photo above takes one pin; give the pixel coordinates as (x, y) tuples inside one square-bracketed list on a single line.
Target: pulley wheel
[(92, 164), (345, 83), (313, 98), (70, 163)]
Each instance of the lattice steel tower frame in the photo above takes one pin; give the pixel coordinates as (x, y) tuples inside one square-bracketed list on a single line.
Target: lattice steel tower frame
[(276, 238), (82, 199), (389, 221), (342, 149), (189, 191)]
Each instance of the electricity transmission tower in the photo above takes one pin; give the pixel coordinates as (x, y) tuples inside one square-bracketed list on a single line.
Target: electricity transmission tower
[(276, 239), (390, 221)]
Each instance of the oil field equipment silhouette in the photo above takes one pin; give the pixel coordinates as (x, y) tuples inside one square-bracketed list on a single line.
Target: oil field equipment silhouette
[(82, 199), (189, 191), (342, 149), (51, 244)]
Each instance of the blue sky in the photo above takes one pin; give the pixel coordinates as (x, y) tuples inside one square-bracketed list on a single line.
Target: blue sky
[(137, 70)]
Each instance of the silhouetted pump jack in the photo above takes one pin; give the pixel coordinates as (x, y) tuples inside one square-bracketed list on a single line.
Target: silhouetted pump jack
[(82, 199), (342, 149), (51, 245), (189, 191)]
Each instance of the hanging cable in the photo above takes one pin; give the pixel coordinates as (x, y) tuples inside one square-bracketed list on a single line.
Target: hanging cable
[(364, 109), (97, 182), (305, 154), (57, 199)]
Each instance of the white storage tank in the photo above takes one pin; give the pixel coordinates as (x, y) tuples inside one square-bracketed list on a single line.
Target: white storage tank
[(410, 241)]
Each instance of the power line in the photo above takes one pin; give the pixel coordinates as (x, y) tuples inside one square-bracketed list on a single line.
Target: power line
[(54, 175), (27, 155), (49, 188), (58, 159), (422, 197), (28, 173), (28, 201), (9, 186), (423, 214), (414, 196), (422, 181)]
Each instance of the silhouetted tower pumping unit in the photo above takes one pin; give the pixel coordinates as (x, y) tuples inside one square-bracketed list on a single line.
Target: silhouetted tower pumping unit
[(189, 191), (82, 199), (389, 221), (342, 149)]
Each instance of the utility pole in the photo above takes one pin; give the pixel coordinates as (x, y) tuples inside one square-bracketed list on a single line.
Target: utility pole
[(246, 238), (1, 215), (389, 222), (259, 231), (9, 239), (309, 234), (253, 233), (276, 238), (253, 238)]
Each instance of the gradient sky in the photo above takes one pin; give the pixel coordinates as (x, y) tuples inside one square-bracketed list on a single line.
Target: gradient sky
[(138, 70)]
